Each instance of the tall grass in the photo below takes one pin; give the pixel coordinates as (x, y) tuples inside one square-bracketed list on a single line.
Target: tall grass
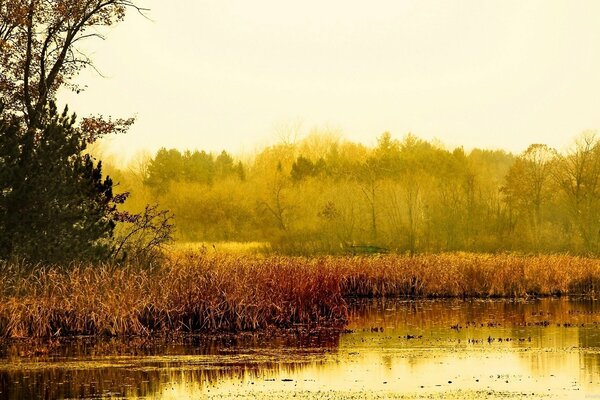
[(194, 292)]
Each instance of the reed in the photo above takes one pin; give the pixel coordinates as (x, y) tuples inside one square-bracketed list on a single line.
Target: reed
[(470, 275), (197, 292)]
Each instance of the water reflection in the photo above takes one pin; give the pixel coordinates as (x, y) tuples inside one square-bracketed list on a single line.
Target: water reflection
[(426, 348)]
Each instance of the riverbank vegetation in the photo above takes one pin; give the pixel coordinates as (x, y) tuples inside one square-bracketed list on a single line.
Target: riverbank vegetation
[(199, 292)]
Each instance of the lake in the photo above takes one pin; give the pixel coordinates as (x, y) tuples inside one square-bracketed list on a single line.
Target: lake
[(542, 348)]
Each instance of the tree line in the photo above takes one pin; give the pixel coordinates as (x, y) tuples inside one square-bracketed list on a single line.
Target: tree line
[(325, 195)]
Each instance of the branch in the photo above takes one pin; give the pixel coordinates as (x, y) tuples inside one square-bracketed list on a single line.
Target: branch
[(28, 57)]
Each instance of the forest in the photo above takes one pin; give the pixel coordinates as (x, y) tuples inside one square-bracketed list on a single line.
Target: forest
[(326, 195)]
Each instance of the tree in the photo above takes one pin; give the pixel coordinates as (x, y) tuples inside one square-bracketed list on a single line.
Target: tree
[(240, 171), (39, 50), (54, 204), (144, 235), (224, 165), (338, 218), (199, 166), (276, 200), (386, 155), (578, 175), (528, 185), (368, 177), (166, 167), (303, 168)]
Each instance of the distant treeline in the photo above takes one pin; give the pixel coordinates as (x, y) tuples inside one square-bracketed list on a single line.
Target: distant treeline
[(324, 195)]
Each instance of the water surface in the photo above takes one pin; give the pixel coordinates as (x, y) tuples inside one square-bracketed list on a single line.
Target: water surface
[(548, 348)]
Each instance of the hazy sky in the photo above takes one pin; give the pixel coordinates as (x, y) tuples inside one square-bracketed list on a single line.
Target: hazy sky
[(225, 74)]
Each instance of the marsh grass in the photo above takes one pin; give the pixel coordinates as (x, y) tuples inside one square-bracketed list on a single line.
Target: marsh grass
[(191, 292), (237, 248), (200, 292)]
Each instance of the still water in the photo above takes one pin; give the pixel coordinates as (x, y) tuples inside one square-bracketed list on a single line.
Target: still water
[(548, 348)]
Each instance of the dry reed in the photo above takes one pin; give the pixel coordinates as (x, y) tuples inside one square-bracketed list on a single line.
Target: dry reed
[(194, 292)]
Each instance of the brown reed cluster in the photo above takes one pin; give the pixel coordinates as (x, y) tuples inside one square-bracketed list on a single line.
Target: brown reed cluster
[(188, 293), (194, 292)]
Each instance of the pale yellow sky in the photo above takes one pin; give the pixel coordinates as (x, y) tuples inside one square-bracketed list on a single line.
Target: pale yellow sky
[(224, 74)]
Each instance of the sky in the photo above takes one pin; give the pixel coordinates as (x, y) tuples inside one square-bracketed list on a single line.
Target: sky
[(234, 75)]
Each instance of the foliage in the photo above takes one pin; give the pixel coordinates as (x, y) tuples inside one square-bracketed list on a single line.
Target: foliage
[(402, 195), (40, 52), (170, 166), (330, 196), (54, 204)]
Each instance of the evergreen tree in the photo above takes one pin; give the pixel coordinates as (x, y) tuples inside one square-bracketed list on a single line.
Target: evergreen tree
[(54, 204), (224, 165)]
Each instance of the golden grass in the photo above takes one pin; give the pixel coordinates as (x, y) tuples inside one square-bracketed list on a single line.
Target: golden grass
[(237, 248), (194, 292)]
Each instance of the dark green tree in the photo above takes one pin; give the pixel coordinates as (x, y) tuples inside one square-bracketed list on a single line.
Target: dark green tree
[(199, 167), (224, 165), (303, 168), (167, 166), (55, 206), (240, 171)]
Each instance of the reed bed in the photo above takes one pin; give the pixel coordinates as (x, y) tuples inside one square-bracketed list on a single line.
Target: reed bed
[(469, 275), (196, 292), (188, 293)]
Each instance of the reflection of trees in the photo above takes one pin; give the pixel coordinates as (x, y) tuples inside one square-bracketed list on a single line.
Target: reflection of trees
[(589, 367), (139, 368), (518, 320), (554, 326), (587, 310), (589, 339), (139, 380)]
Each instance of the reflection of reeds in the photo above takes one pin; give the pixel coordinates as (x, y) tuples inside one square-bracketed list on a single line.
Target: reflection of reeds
[(199, 292)]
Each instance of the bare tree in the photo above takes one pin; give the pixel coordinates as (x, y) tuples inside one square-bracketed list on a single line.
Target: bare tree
[(143, 235)]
